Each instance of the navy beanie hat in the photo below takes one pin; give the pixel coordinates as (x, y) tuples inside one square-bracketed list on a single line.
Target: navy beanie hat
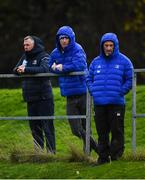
[(63, 36)]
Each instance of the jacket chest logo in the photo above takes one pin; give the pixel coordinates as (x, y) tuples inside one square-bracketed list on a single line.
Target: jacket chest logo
[(116, 66), (34, 62), (98, 68), (24, 62)]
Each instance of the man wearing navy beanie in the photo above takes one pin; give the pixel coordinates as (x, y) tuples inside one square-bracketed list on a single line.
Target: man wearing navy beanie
[(69, 56)]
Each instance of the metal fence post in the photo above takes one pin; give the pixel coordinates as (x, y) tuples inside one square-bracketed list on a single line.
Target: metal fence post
[(88, 123), (134, 113)]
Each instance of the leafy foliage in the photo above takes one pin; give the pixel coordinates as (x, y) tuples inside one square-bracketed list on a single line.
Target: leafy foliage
[(89, 19)]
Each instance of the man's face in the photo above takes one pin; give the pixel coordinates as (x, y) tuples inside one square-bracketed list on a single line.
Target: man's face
[(108, 47), (28, 44), (64, 42)]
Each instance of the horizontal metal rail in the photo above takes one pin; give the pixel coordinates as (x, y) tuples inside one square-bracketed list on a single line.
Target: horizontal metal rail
[(41, 75), (139, 70), (139, 115), (42, 117)]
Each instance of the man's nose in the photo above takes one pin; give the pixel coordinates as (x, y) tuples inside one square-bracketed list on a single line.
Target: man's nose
[(64, 40), (109, 47)]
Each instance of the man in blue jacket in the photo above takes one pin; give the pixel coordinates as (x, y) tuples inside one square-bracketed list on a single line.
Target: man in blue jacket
[(37, 92), (69, 56), (109, 80)]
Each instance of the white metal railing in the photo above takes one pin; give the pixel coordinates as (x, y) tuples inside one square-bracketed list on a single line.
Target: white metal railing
[(134, 114), (88, 105)]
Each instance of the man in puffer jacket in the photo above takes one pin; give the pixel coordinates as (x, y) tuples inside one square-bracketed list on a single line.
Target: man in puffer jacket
[(109, 80), (37, 92), (69, 56)]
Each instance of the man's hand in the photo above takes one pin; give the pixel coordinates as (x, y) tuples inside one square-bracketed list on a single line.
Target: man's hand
[(21, 69), (53, 66), (59, 67)]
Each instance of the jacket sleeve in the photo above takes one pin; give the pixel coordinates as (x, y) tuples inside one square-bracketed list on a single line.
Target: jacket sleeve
[(17, 65), (42, 68), (51, 61), (128, 75), (90, 78), (77, 63)]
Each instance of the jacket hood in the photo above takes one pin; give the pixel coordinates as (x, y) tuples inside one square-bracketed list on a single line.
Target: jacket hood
[(65, 30), (38, 47), (110, 37)]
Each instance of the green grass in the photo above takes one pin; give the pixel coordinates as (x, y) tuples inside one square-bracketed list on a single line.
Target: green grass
[(17, 159)]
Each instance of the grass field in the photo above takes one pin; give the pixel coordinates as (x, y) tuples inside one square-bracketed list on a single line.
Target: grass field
[(17, 159)]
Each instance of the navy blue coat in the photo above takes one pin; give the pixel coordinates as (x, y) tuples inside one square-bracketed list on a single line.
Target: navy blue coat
[(73, 58), (35, 61), (110, 78)]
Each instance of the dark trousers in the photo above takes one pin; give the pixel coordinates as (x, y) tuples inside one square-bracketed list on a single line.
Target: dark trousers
[(42, 128), (110, 119), (76, 105)]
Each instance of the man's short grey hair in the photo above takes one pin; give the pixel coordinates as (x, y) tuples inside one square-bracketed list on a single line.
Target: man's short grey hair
[(29, 37)]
